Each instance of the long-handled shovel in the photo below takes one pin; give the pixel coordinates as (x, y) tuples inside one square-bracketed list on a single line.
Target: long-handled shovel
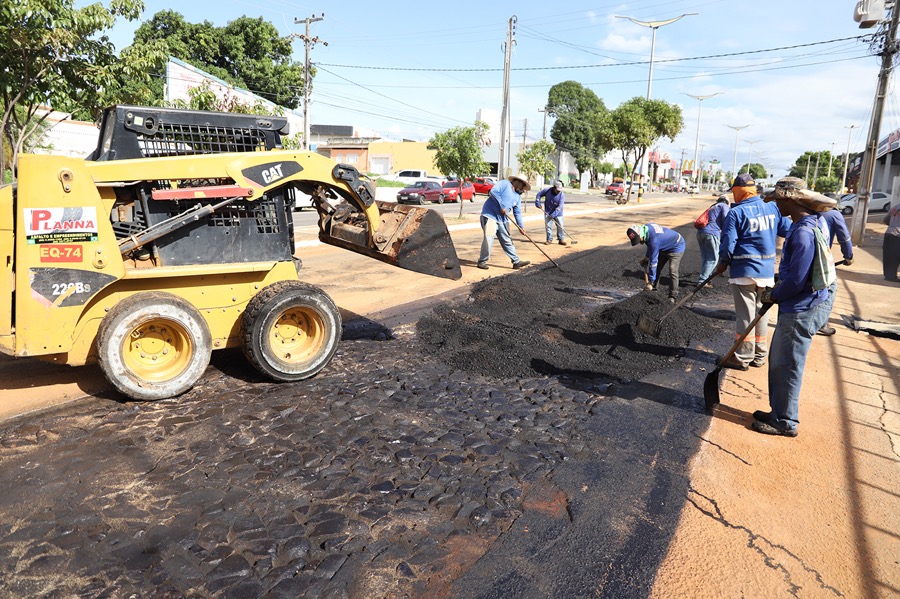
[(711, 384), (654, 327), (522, 231)]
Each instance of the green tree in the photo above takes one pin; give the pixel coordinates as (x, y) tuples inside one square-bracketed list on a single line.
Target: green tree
[(535, 160), (247, 53), (827, 184), (756, 170), (579, 115), (52, 55), (637, 124), (459, 152)]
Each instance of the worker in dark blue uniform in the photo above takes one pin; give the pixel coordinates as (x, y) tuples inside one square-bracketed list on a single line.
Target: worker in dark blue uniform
[(664, 246)]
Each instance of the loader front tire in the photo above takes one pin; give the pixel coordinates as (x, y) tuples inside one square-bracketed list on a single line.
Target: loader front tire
[(290, 331), (153, 345)]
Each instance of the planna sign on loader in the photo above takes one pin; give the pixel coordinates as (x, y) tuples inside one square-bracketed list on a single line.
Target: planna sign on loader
[(175, 238)]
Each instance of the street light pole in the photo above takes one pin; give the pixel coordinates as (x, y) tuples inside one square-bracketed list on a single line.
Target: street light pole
[(830, 159), (737, 129), (653, 25), (750, 157), (847, 158), (697, 140)]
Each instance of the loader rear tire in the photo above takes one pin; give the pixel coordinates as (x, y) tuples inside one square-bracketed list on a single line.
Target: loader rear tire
[(290, 331), (153, 345)]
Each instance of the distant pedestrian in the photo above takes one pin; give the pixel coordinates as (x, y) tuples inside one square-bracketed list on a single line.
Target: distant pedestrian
[(747, 250), (804, 274), (708, 238), (664, 246), (834, 226), (553, 210), (891, 248), (503, 199)]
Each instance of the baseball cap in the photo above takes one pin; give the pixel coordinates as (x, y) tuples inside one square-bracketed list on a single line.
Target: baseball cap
[(743, 180)]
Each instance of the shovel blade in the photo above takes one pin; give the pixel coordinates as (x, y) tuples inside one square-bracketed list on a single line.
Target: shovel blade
[(711, 389), (647, 325)]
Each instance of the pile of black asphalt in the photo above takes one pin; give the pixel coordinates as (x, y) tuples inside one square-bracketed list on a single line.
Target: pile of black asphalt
[(527, 442), (578, 319)]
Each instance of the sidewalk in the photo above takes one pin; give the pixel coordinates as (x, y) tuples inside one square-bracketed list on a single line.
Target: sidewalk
[(814, 516)]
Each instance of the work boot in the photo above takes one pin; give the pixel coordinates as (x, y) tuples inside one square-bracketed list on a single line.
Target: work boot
[(761, 416), (562, 242), (826, 331), (548, 242), (483, 265), (732, 363), (772, 428), (758, 362), (521, 263)]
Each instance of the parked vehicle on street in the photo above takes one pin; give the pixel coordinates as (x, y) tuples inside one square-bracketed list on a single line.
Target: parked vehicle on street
[(412, 175), (483, 185), (878, 200), (616, 187), (452, 191), (421, 192)]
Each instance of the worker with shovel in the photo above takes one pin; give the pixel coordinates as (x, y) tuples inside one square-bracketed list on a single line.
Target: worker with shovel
[(747, 250), (553, 210), (663, 246), (805, 273)]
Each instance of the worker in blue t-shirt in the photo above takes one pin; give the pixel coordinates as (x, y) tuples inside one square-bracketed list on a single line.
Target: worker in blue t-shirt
[(503, 201), (802, 298), (663, 246), (554, 198)]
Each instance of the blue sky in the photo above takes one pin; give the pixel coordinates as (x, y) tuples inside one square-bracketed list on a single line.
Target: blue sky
[(408, 69)]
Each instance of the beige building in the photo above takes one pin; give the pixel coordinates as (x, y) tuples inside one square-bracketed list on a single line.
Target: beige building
[(387, 157)]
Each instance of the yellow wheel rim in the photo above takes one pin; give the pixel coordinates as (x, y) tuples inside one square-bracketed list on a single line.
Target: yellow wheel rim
[(297, 335), (158, 350)]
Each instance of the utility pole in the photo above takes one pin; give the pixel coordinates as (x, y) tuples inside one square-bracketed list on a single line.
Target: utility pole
[(847, 157), (544, 110), (888, 49), (504, 115), (309, 42), (816, 172), (524, 133)]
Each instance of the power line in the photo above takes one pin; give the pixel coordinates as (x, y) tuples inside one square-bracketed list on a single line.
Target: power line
[(592, 66)]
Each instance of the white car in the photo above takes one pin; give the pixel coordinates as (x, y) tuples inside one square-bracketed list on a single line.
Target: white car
[(878, 200)]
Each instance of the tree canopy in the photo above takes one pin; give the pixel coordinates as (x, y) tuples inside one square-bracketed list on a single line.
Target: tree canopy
[(579, 115), (247, 52), (459, 153), (535, 160), (637, 124), (52, 55)]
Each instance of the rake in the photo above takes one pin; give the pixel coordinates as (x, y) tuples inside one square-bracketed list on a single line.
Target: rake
[(647, 325), (522, 231), (563, 229)]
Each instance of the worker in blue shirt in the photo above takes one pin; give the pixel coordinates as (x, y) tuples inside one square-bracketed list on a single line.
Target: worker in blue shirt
[(553, 210), (503, 199), (663, 246), (802, 298), (708, 238), (747, 250), (835, 227)]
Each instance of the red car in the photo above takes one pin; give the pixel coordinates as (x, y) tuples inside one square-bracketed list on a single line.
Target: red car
[(452, 193), (421, 192), (483, 185), (616, 188)]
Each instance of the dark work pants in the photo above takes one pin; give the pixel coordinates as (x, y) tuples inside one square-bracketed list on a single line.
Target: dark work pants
[(674, 262), (891, 256)]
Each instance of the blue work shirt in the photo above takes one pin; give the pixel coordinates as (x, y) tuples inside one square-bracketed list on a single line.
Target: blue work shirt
[(836, 226), (794, 292), (553, 201), (717, 214), (503, 198), (749, 236), (661, 239)]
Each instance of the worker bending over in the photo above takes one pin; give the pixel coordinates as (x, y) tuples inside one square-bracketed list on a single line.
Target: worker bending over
[(664, 246)]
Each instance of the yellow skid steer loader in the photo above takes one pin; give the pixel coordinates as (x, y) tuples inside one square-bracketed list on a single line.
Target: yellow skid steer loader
[(175, 237)]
